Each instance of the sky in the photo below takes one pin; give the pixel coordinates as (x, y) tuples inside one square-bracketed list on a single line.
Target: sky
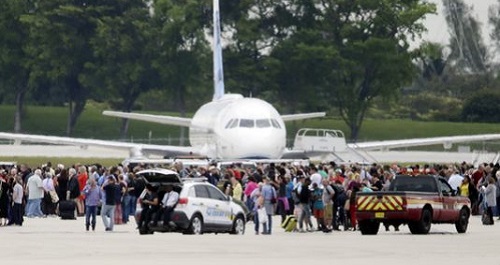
[(438, 29)]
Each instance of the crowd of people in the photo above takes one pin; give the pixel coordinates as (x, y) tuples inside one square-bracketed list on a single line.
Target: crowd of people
[(38, 192), (325, 191)]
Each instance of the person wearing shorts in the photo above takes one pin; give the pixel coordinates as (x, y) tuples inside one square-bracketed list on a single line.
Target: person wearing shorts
[(319, 207)]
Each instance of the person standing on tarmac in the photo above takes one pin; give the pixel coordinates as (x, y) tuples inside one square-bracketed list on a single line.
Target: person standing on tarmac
[(17, 198), (304, 205), (108, 209), (270, 198), (490, 192), (319, 207), (92, 197)]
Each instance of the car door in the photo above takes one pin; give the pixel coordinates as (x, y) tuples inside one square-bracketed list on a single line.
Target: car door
[(202, 203), (449, 200), (222, 204)]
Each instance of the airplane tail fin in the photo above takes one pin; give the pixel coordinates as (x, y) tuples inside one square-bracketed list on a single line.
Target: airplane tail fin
[(217, 53)]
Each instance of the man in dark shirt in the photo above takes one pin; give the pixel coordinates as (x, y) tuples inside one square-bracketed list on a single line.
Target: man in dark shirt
[(150, 205), (304, 199), (108, 209), (135, 188)]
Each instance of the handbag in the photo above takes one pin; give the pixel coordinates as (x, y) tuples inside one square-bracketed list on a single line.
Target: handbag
[(262, 215), (53, 196)]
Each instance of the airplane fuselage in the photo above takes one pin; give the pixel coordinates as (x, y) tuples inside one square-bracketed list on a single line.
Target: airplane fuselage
[(237, 127)]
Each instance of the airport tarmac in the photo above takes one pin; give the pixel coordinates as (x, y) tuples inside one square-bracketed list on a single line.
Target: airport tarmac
[(379, 156), (54, 241)]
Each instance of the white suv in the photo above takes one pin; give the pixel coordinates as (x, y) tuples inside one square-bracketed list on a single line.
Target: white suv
[(201, 208)]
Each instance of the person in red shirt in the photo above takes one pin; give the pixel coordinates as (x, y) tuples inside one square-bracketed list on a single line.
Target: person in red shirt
[(82, 181), (236, 173), (478, 175)]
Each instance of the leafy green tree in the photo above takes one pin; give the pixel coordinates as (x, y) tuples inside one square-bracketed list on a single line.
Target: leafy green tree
[(432, 60), (351, 51), (248, 39), (123, 49), (183, 55), (14, 62), (482, 107), (60, 32)]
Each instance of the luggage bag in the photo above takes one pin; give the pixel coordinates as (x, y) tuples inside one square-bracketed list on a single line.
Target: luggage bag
[(290, 223), (67, 210)]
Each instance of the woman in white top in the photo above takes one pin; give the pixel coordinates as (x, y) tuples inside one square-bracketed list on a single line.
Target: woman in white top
[(49, 203), (17, 198)]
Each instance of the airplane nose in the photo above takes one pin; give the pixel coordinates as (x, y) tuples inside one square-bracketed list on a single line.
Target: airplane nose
[(254, 144)]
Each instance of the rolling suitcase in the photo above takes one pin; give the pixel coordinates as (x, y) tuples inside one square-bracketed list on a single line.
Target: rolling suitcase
[(67, 210), (290, 223)]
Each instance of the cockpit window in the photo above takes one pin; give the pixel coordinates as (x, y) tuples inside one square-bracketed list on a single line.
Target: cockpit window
[(248, 123), (234, 124), (275, 124), (245, 123), (263, 123)]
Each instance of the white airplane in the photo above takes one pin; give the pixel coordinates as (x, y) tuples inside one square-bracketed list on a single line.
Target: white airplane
[(232, 127), (229, 127)]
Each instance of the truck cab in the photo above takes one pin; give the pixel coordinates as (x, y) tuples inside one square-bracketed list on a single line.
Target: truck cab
[(417, 201)]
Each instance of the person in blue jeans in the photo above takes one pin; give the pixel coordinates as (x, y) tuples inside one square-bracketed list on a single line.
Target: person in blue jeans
[(35, 195), (255, 196), (269, 195), (108, 209), (92, 197)]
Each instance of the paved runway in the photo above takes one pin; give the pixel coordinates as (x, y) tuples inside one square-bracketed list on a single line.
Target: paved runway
[(55, 241), (100, 152)]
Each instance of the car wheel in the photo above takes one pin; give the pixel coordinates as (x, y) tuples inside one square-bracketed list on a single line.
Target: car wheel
[(196, 225), (238, 226), (422, 226), (369, 227), (463, 221)]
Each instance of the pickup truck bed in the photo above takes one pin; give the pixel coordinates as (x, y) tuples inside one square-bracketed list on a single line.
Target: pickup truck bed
[(416, 201)]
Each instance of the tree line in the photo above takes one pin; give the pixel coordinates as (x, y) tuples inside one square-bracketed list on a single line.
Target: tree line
[(344, 56)]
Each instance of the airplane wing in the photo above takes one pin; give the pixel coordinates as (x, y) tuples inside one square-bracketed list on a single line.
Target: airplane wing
[(446, 141), (135, 149), (302, 116), (297, 154), (162, 119)]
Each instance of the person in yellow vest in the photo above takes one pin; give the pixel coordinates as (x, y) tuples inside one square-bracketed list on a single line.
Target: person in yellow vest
[(237, 189)]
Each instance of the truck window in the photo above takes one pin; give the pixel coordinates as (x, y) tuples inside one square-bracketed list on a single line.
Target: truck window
[(445, 188), (418, 184)]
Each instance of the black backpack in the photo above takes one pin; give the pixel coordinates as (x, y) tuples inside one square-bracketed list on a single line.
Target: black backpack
[(339, 191)]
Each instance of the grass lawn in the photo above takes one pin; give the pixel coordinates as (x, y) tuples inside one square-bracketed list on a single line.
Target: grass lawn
[(66, 161), (92, 124)]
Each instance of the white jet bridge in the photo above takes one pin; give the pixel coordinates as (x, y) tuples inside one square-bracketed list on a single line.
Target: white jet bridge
[(327, 143)]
